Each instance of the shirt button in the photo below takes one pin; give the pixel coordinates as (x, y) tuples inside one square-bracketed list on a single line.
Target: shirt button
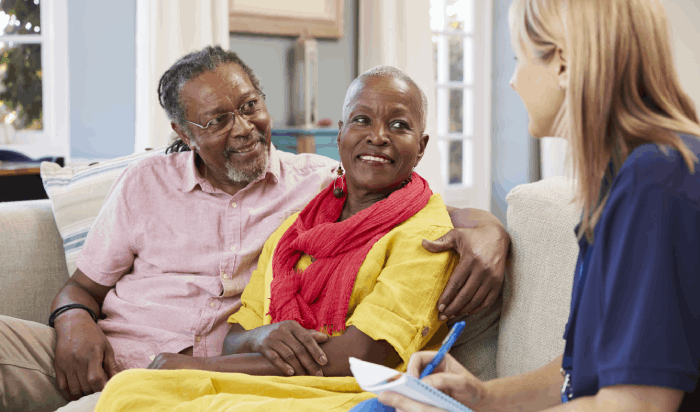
[(425, 332), (212, 304), (233, 205), (233, 248), (198, 338), (225, 276)]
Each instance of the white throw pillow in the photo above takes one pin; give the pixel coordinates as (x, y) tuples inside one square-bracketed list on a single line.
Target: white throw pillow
[(77, 194)]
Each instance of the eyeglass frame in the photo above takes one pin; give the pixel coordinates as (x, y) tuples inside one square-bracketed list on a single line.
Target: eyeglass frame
[(234, 113)]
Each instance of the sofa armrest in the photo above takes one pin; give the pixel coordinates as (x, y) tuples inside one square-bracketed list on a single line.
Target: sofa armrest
[(32, 261), (539, 274)]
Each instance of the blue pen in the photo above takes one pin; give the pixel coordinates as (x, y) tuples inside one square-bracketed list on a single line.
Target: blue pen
[(450, 340)]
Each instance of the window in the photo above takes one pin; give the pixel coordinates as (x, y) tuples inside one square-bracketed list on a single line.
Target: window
[(461, 33), (33, 77)]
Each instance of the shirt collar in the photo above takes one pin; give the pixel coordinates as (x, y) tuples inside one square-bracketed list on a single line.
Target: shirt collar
[(192, 177), (274, 167)]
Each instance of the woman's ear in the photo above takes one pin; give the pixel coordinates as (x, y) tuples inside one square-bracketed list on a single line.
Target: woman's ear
[(562, 68), (422, 145), (340, 128)]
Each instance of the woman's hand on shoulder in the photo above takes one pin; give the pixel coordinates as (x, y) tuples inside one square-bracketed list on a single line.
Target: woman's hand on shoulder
[(291, 348), (476, 281), (449, 377)]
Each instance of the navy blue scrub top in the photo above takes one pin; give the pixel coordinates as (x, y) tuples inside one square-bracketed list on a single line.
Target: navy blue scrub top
[(638, 317)]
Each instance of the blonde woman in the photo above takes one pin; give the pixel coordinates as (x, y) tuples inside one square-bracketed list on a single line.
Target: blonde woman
[(602, 72)]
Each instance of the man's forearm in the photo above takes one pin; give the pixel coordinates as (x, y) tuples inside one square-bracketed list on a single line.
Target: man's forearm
[(248, 363), (470, 218), (532, 391), (235, 341), (74, 293)]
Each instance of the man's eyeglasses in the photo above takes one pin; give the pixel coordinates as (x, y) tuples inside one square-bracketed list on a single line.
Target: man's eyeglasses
[(223, 122)]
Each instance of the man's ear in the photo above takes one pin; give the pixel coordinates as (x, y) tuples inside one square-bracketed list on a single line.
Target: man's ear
[(181, 134), (423, 144)]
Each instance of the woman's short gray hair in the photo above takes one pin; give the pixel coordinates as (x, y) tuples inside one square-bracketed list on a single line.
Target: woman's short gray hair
[(384, 71)]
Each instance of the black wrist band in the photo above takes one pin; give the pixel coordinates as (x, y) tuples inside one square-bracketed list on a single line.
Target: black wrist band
[(65, 308)]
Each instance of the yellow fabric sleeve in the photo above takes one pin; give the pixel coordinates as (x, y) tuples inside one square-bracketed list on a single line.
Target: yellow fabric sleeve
[(402, 306)]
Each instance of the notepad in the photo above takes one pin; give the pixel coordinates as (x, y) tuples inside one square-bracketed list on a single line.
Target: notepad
[(378, 378)]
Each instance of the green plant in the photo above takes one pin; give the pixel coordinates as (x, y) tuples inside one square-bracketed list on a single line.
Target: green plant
[(20, 66)]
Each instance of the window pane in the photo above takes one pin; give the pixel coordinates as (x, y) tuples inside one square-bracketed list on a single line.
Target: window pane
[(456, 110), (456, 59), (468, 60), (469, 112), (20, 17), (455, 163), (435, 56), (467, 163), (459, 15), (442, 104), (437, 15), (21, 91)]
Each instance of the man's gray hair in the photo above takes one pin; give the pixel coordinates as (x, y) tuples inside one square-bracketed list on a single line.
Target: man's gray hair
[(384, 71), (187, 68)]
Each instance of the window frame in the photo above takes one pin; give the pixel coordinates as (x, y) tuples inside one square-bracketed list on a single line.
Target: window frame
[(53, 140), (475, 189)]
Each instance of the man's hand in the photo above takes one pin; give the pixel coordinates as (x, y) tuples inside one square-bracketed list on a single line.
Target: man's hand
[(177, 361), (476, 281), (290, 347), (84, 359), (449, 377)]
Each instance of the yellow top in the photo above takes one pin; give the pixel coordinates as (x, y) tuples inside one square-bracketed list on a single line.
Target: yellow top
[(396, 289), (394, 299)]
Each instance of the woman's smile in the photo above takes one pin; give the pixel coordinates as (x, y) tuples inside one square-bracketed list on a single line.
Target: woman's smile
[(375, 159)]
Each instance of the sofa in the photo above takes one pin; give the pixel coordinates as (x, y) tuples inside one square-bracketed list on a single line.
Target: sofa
[(541, 218), (40, 239)]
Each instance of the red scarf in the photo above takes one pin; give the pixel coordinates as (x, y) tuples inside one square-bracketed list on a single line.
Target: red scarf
[(318, 297)]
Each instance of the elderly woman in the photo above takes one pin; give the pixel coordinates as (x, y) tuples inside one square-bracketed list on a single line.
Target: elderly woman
[(348, 272), (633, 336)]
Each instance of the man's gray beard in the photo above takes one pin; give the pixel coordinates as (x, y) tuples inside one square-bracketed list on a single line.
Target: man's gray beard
[(250, 172)]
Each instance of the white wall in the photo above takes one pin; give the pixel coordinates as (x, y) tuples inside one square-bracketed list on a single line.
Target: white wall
[(391, 33), (684, 16), (513, 151)]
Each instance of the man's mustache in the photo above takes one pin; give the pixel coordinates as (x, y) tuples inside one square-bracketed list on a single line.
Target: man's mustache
[(253, 136)]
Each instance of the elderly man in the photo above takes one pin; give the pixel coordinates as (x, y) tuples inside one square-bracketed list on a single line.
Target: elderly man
[(178, 237)]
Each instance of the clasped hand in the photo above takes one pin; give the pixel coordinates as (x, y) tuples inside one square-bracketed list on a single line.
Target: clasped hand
[(291, 348)]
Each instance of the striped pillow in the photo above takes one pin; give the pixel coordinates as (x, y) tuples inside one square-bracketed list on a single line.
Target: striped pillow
[(77, 194)]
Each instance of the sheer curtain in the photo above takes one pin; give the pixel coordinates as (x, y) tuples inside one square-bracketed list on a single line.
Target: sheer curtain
[(397, 33), (165, 31)]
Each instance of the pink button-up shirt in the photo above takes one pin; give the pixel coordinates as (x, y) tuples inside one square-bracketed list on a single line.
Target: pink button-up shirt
[(179, 252)]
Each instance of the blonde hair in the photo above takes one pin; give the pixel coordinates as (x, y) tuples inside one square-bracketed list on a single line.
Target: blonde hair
[(623, 90)]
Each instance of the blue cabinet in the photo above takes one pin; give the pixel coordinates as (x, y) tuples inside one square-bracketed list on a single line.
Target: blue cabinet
[(321, 141)]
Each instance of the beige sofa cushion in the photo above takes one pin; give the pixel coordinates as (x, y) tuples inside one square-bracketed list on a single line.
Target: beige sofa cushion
[(77, 194), (539, 274), (32, 268)]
